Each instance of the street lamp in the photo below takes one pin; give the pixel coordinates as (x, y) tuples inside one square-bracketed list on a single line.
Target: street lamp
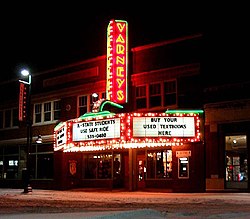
[(94, 97), (26, 176), (39, 139)]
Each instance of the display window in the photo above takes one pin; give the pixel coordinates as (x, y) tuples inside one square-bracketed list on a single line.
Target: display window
[(236, 161), (98, 166), (159, 164)]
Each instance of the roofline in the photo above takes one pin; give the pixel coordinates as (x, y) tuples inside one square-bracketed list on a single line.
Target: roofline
[(162, 43)]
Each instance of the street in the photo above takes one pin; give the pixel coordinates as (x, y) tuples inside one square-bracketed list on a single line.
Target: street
[(99, 203)]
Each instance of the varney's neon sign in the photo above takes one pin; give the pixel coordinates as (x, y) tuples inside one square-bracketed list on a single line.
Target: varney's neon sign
[(117, 57)]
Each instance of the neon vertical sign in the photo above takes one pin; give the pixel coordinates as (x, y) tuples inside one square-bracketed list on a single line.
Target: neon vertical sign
[(117, 58)]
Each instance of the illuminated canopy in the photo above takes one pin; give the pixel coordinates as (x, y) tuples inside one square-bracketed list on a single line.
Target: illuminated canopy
[(105, 130)]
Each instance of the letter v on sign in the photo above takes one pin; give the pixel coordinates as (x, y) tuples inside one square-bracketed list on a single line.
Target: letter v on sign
[(120, 26)]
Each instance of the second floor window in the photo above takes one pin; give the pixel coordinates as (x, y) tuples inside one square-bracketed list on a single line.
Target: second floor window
[(83, 105), (9, 118), (38, 113), (1, 119), (47, 112), (15, 121), (170, 93), (141, 97), (57, 110), (7, 121), (155, 95)]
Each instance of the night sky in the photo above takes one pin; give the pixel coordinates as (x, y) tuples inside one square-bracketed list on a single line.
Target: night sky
[(42, 37)]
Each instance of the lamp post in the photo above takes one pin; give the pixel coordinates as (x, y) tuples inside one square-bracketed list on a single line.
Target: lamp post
[(94, 97), (26, 177)]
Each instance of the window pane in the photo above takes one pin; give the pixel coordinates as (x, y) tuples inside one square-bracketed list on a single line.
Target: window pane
[(155, 101), (141, 103), (47, 111), (83, 101), (155, 89), (155, 95), (170, 93), (1, 119), (11, 164), (170, 87), (57, 115), (57, 105), (45, 166), (38, 113), (82, 105), (159, 164), (104, 166), (236, 161), (47, 107), (47, 116), (7, 121), (170, 99), (141, 91), (57, 110), (104, 95), (15, 117), (97, 166), (82, 110)]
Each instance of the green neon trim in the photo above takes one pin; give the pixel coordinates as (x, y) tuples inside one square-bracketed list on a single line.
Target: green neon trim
[(94, 115), (58, 126), (183, 111), (111, 103), (121, 21)]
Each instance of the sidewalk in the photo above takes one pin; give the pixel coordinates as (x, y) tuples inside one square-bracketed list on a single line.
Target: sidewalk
[(91, 203)]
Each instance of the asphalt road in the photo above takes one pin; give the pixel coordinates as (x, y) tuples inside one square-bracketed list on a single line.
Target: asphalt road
[(91, 203)]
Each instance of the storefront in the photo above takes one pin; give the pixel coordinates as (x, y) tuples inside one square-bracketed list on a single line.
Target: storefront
[(227, 146), (134, 151)]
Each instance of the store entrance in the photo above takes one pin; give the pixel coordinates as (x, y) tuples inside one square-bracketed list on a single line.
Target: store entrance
[(141, 171), (236, 159)]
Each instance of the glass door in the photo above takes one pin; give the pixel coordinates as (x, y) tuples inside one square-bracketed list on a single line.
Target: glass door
[(236, 161), (141, 171)]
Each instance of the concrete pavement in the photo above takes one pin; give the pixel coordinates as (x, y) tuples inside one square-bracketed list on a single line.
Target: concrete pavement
[(153, 205)]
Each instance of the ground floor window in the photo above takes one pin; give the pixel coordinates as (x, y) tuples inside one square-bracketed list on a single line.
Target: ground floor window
[(10, 162), (42, 161), (97, 166), (100, 166), (13, 161), (236, 160), (159, 164)]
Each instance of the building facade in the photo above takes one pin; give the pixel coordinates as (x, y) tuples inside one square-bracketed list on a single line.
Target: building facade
[(163, 76)]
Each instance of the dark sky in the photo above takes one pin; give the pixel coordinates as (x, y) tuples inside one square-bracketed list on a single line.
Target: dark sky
[(44, 36)]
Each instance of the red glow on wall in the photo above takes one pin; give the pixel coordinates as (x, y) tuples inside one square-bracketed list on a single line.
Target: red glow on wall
[(117, 57)]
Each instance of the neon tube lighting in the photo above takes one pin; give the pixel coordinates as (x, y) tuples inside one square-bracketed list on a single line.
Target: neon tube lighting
[(94, 115), (183, 111)]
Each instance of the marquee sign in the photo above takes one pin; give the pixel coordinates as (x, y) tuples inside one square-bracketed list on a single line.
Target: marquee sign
[(61, 136), (163, 127), (96, 130), (117, 58)]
